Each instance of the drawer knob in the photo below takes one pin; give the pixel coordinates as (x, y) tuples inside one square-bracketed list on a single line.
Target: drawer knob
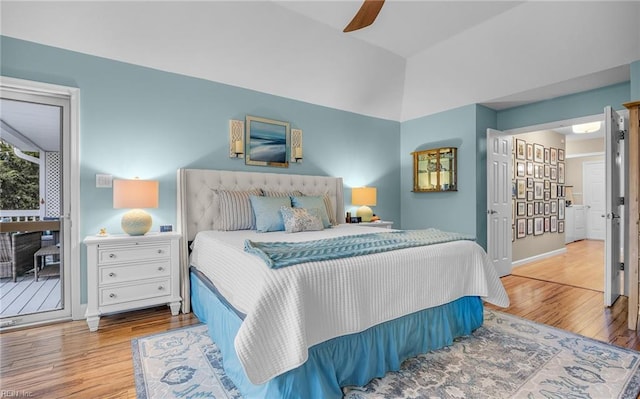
[(159, 251), (160, 288), (112, 274), (160, 269), (112, 295), (112, 256)]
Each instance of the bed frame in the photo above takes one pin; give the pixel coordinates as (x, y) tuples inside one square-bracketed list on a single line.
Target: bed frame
[(195, 193)]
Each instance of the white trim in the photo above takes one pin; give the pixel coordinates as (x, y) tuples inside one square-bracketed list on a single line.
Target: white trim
[(71, 173), (586, 154), (545, 255), (563, 123)]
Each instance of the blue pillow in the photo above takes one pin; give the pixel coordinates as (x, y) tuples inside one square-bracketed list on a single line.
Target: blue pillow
[(312, 202), (267, 212)]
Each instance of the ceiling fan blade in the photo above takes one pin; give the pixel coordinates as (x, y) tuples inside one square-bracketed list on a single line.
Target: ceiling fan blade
[(365, 16)]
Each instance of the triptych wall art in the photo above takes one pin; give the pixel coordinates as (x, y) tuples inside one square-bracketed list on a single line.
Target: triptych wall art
[(538, 192)]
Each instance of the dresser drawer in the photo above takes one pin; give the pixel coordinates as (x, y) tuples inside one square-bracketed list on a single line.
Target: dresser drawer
[(131, 253), (134, 272), (134, 292)]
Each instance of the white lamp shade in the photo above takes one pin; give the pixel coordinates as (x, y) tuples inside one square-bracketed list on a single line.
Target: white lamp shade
[(363, 196), (135, 194)]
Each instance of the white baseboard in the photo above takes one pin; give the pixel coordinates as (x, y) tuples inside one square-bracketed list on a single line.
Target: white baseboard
[(524, 261)]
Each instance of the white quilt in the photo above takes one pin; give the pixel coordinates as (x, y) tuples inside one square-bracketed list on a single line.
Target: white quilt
[(291, 309)]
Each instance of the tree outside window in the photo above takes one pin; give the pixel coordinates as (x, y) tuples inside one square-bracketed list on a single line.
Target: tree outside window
[(19, 180)]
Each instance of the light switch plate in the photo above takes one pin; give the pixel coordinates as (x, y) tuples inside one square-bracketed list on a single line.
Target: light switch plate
[(104, 181)]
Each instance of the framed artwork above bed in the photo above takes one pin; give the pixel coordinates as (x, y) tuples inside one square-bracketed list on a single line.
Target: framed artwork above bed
[(267, 142)]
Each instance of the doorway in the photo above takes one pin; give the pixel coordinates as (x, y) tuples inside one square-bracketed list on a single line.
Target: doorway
[(40, 127), (521, 225)]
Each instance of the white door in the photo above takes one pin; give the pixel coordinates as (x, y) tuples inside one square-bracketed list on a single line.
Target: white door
[(594, 186), (67, 293), (613, 159), (499, 205)]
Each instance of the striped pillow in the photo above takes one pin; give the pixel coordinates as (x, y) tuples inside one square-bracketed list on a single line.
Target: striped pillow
[(331, 212), (235, 210), (280, 193)]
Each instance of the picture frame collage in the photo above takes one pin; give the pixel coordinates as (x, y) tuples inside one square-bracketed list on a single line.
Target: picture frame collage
[(538, 190)]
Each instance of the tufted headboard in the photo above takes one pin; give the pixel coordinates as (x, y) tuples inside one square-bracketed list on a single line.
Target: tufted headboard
[(195, 194)]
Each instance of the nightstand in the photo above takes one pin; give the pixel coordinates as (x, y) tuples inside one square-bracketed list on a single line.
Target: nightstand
[(382, 224), (130, 272)]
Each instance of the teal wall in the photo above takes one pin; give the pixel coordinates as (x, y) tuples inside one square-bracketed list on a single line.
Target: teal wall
[(485, 118), (452, 211), (137, 121), (464, 210), (635, 81)]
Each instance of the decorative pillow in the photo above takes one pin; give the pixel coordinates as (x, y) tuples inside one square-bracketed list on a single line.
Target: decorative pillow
[(267, 212), (330, 210), (301, 219), (311, 202), (280, 193), (235, 210)]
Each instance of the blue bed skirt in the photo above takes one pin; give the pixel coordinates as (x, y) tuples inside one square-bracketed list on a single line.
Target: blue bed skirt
[(343, 361)]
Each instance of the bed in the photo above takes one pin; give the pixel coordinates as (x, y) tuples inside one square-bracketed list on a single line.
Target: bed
[(309, 330)]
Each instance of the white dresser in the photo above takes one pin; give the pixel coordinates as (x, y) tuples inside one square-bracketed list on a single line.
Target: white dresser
[(575, 223), (383, 224), (131, 272)]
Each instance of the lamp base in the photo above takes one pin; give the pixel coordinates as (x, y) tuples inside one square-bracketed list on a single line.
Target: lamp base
[(136, 222), (364, 213)]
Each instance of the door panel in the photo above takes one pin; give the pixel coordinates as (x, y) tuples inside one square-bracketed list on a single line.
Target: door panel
[(499, 200), (594, 187), (613, 160)]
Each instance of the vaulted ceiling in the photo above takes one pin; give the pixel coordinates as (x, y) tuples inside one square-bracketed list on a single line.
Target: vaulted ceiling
[(418, 58)]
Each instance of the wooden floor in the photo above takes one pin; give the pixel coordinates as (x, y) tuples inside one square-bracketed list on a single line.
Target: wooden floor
[(27, 296), (67, 361), (581, 266)]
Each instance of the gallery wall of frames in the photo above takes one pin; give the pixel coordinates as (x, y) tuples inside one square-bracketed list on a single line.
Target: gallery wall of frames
[(538, 190)]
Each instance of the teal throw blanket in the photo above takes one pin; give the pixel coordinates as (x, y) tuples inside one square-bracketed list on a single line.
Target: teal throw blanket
[(282, 254)]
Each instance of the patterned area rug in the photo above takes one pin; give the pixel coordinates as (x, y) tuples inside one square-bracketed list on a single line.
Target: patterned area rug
[(508, 357)]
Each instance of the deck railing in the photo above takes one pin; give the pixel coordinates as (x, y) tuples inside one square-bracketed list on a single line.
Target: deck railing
[(26, 215)]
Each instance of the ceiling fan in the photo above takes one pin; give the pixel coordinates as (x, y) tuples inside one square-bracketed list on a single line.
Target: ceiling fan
[(365, 15)]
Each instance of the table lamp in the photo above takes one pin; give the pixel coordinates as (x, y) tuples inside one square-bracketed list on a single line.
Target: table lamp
[(135, 194), (366, 197)]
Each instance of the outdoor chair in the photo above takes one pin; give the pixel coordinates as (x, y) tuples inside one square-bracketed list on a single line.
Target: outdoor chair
[(16, 253)]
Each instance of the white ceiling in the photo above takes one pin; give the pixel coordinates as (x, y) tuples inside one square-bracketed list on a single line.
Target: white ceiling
[(404, 28), (30, 126), (418, 58)]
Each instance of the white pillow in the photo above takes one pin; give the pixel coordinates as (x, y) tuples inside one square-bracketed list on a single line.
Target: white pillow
[(310, 202), (301, 219)]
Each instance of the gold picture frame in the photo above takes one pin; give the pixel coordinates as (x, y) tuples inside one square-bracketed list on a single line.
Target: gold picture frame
[(267, 142)]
